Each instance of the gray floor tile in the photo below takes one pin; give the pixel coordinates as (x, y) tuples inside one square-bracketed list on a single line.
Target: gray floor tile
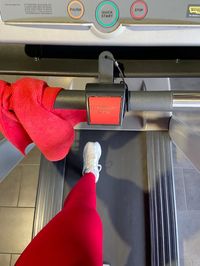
[(32, 158), (15, 229), (14, 258), (192, 188), (9, 188), (5, 259), (178, 172), (186, 262), (196, 262), (179, 159), (189, 234), (179, 189), (28, 188), (1, 137)]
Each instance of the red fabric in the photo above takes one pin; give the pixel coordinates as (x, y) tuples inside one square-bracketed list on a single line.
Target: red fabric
[(27, 115), (74, 236)]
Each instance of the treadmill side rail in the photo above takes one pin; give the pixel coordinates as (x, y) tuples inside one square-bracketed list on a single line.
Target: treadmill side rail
[(50, 192), (163, 216)]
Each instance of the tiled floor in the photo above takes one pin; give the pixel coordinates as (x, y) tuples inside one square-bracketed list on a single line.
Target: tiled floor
[(17, 203), (187, 185)]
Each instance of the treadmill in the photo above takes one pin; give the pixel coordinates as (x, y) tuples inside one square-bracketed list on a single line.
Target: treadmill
[(128, 51)]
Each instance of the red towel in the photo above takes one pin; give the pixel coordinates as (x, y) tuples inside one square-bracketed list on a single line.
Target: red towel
[(27, 115)]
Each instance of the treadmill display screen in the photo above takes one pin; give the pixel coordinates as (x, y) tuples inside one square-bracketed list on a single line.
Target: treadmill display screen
[(106, 16)]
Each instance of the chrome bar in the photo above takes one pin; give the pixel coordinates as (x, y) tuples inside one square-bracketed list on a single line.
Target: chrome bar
[(168, 101), (150, 101), (182, 100)]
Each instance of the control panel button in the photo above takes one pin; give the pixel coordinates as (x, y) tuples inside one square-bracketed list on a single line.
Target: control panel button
[(139, 10), (75, 9), (107, 14)]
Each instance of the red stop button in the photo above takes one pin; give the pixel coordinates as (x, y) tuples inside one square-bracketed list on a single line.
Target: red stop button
[(139, 10), (105, 110)]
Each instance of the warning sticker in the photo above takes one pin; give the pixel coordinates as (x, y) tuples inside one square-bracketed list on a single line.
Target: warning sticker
[(193, 11), (38, 9)]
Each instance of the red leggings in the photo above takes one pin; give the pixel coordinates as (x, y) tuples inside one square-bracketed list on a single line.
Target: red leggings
[(74, 236)]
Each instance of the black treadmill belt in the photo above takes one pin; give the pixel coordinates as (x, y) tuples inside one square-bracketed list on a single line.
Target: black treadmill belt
[(122, 193)]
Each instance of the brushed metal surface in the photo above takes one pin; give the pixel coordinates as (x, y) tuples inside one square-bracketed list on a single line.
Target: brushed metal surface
[(163, 212), (49, 194)]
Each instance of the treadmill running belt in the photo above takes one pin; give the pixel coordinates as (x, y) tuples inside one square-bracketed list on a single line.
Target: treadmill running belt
[(122, 193)]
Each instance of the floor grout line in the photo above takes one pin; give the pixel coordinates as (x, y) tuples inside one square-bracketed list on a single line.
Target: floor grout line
[(16, 207), (185, 197), (10, 259), (21, 179), (32, 164), (6, 253), (189, 211)]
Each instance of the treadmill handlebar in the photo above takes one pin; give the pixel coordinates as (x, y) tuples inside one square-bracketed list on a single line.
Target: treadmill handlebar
[(167, 101), (71, 99)]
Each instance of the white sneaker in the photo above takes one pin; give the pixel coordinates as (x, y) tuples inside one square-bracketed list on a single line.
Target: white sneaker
[(91, 156)]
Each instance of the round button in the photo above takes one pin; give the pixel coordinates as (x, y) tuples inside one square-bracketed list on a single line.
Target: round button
[(75, 9), (107, 14), (139, 10)]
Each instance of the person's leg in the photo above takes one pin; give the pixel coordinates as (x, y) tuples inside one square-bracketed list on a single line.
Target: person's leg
[(74, 236)]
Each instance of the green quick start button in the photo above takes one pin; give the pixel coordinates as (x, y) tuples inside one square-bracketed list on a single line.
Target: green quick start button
[(107, 14)]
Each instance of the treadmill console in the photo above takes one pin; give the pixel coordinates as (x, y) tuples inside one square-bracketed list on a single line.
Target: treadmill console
[(106, 16)]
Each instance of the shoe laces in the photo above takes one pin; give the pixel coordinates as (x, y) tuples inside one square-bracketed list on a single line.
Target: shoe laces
[(92, 163)]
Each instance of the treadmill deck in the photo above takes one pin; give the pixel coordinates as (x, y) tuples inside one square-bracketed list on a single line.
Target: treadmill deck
[(122, 193)]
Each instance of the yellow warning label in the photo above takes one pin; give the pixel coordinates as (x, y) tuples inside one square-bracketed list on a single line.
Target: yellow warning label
[(194, 10)]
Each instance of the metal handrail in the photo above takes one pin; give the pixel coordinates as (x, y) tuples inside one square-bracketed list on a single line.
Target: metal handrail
[(167, 101)]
